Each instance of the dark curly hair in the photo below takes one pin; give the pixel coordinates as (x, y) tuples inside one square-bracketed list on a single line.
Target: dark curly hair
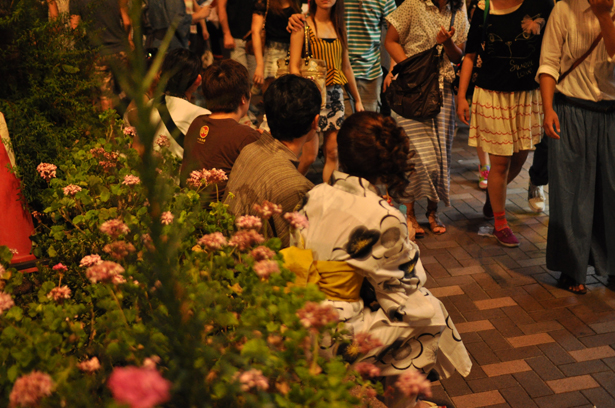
[(373, 147)]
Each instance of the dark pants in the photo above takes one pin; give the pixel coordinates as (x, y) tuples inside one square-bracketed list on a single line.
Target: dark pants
[(539, 172)]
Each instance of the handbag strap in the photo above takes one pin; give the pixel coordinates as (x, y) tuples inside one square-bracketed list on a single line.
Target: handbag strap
[(485, 17), (169, 123), (306, 39), (584, 56)]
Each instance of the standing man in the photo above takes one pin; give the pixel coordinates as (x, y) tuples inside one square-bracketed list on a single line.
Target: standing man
[(164, 13), (579, 113), (236, 21)]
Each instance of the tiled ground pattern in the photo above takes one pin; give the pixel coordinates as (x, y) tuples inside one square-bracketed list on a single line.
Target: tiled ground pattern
[(533, 345)]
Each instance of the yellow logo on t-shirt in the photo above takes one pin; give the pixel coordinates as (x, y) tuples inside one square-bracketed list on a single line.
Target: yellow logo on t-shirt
[(203, 134)]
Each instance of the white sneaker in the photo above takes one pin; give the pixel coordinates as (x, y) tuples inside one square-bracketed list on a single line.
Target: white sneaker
[(536, 197)]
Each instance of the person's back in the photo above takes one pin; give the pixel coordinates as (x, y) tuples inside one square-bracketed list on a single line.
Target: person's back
[(104, 24), (215, 140)]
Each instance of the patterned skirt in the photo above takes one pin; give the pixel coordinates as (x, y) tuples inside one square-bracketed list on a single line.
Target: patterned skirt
[(332, 115), (504, 123)]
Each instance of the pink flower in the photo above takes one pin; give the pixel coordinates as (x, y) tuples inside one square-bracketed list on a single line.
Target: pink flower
[(60, 267), (110, 158), (246, 238), (206, 177), (90, 260), (114, 228), (262, 253), (90, 365), (163, 141), (139, 387), (130, 180), (47, 170), (151, 362), (367, 370), (216, 176), (30, 389), (264, 269), (365, 342), (412, 383), (248, 222), (253, 379), (71, 190), (316, 315), (213, 241), (268, 209), (60, 293), (119, 249), (130, 131), (296, 220), (105, 271), (6, 302), (195, 179), (166, 218)]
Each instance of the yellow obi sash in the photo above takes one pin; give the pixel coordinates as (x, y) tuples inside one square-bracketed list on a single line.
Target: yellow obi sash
[(336, 279)]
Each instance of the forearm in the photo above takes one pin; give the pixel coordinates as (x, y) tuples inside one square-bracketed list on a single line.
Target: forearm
[(547, 90), (454, 51), (608, 32), (465, 75), (296, 47), (223, 17), (393, 45), (257, 28)]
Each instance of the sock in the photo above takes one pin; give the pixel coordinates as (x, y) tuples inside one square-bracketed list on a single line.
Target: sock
[(500, 220)]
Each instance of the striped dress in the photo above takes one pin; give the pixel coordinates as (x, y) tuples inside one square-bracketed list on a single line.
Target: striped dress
[(331, 51)]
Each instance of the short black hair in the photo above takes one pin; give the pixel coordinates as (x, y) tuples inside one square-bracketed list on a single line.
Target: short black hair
[(291, 104), (224, 84), (184, 66)]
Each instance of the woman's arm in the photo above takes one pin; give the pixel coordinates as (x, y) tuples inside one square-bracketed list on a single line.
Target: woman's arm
[(454, 51), (257, 28), (296, 48), (393, 46), (229, 41), (463, 108), (352, 83), (551, 121)]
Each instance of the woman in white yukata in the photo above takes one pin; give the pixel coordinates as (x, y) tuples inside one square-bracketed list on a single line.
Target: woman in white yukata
[(351, 224)]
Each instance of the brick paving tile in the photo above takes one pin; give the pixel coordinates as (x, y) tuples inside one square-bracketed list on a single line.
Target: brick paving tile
[(459, 253), (456, 385), (495, 303), (469, 270), (518, 398), (567, 400), (475, 292), (599, 397), (481, 399), (469, 338), (594, 353), (584, 367), (527, 302), (540, 327), (509, 367), (492, 383), (518, 315), (530, 340), (576, 326), (556, 353), (482, 353), (570, 384), (483, 314), (538, 292), (607, 380), (463, 303), (567, 340), (455, 280), (533, 384), (479, 325), (441, 244), (519, 353), (446, 291), (598, 340), (506, 327), (494, 340), (544, 368), (437, 271), (610, 362)]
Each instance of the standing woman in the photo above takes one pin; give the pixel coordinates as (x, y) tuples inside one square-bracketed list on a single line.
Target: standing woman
[(506, 106), (416, 26), (271, 16), (327, 39)]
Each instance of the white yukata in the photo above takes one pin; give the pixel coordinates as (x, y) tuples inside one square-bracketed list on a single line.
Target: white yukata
[(350, 222)]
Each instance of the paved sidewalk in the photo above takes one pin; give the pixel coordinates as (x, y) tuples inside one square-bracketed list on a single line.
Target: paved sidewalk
[(532, 344)]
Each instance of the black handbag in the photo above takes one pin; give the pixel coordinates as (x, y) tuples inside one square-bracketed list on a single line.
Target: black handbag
[(416, 93)]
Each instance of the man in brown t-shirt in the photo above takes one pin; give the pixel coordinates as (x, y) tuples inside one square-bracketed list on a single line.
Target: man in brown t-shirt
[(215, 140)]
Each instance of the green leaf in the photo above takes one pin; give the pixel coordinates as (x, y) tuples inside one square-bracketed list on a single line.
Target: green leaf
[(105, 194), (12, 373), (15, 313), (255, 348), (69, 69), (78, 219)]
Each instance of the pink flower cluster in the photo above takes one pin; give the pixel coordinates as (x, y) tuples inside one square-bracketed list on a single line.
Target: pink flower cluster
[(267, 209), (59, 293), (107, 160), (114, 228), (130, 180), (213, 241), (6, 302), (199, 178), (163, 141), (47, 170), (139, 387), (253, 379), (296, 220), (167, 217), (248, 222), (266, 268), (413, 383), (119, 249), (90, 260), (106, 271), (71, 190), (60, 267), (367, 370), (244, 239), (262, 253), (130, 131), (365, 342), (30, 389), (315, 315), (89, 366)]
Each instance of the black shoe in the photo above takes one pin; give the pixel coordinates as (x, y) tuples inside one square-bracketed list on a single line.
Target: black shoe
[(487, 210)]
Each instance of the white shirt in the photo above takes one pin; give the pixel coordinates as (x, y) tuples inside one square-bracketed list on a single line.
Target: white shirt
[(571, 29), (183, 113)]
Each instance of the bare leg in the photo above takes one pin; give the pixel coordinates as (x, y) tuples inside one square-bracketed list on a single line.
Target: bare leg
[(498, 179), (436, 226), (331, 160), (414, 229), (483, 157), (308, 155)]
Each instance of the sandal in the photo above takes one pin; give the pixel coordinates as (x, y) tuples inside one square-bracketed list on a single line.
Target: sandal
[(436, 226), (419, 232), (570, 285)]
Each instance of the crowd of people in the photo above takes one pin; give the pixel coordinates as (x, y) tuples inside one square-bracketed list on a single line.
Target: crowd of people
[(527, 71)]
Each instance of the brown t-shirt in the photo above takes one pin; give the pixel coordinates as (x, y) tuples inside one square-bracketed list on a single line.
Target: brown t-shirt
[(214, 143)]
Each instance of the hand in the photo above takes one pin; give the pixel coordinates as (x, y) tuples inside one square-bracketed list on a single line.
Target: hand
[(205, 34), (295, 22), (444, 36), (463, 110), (387, 81), (358, 106), (259, 75), (551, 124), (201, 14), (601, 7), (229, 41)]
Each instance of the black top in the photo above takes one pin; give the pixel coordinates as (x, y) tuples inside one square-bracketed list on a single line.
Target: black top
[(104, 24), (239, 14), (510, 58), (277, 21)]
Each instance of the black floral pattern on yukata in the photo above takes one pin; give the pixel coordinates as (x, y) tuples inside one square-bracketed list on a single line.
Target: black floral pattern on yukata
[(361, 242)]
